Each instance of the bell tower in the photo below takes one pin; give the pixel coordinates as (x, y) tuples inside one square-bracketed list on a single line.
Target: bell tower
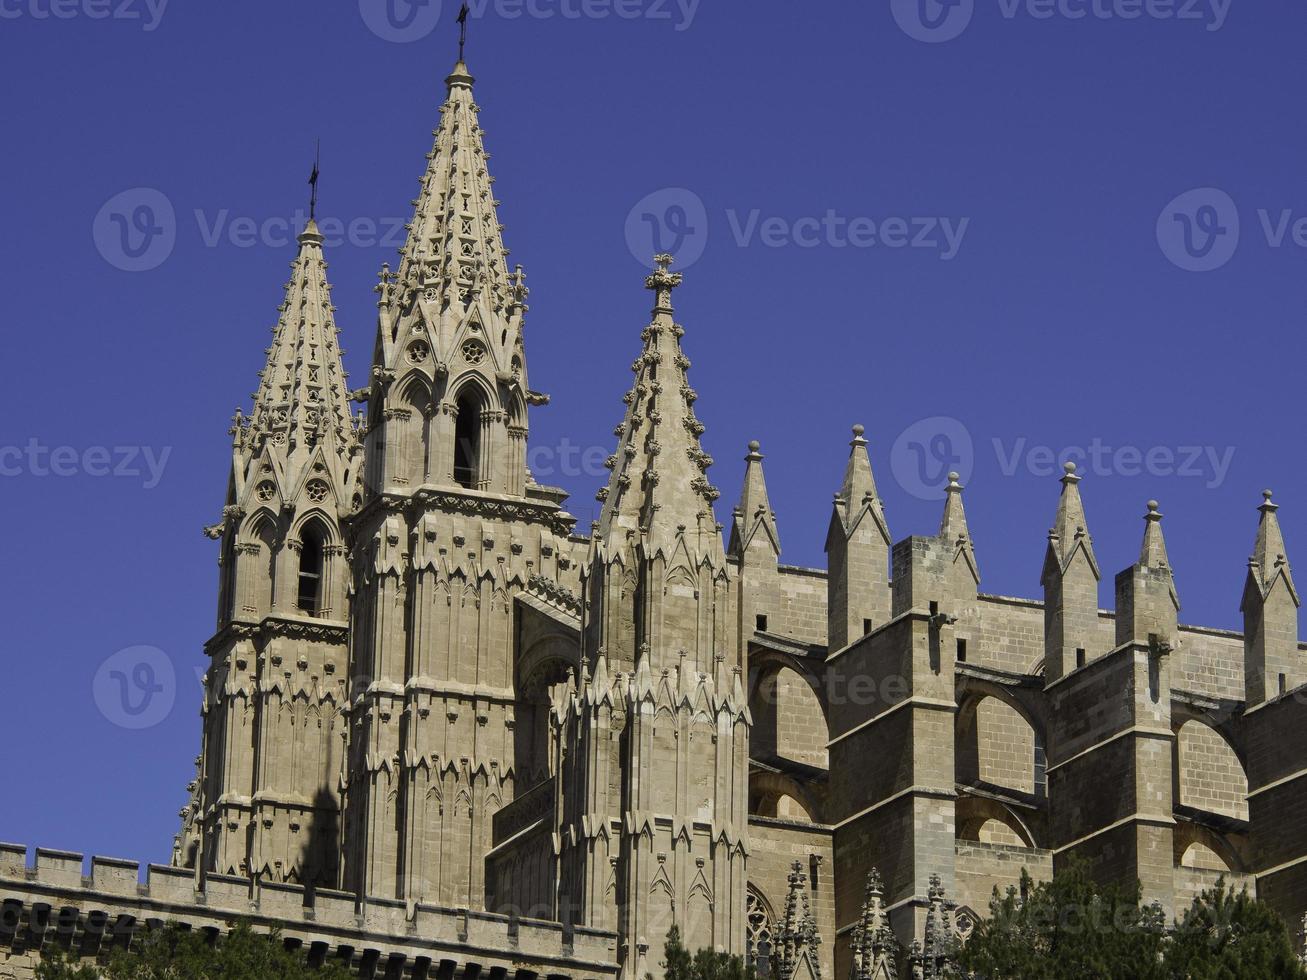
[(273, 735), (451, 527)]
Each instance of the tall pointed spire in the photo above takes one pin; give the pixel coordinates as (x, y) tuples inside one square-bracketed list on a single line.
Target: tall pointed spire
[(659, 481), (302, 400), (455, 248), (754, 516), (450, 347)]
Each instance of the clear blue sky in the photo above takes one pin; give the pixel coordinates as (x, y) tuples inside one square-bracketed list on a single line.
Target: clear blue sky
[(1053, 145)]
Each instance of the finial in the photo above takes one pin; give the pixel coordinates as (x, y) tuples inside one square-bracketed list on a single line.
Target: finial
[(1154, 515), (953, 485), (755, 445), (313, 182), (662, 281), (1267, 506), (462, 32), (1070, 476)]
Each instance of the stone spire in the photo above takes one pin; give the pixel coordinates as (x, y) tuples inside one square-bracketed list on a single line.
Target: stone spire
[(859, 495), (1070, 580), (1269, 563), (857, 550), (953, 530), (1070, 531), (302, 401), (449, 394), (875, 948), (1270, 609), (659, 485), (455, 247), (1153, 552), (754, 520), (794, 956)]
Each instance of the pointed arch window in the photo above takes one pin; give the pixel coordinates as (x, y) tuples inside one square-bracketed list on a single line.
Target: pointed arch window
[(467, 439), (761, 926), (310, 598)]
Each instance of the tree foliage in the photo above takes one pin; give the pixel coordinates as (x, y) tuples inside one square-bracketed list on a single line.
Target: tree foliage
[(177, 954), (1072, 927), (1228, 935), (706, 964)]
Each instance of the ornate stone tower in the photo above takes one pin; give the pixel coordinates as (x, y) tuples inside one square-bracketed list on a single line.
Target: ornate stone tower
[(450, 528), (654, 796), (268, 802)]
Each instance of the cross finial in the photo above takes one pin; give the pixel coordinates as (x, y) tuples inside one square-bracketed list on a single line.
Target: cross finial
[(663, 281), (462, 30)]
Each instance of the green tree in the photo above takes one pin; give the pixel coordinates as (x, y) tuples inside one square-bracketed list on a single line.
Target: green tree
[(1069, 927), (178, 954), (706, 964), (1228, 935)]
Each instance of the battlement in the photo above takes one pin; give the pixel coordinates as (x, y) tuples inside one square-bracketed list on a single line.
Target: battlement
[(53, 898)]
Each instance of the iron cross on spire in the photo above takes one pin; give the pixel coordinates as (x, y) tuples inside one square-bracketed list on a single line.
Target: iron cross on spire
[(313, 182), (462, 30)]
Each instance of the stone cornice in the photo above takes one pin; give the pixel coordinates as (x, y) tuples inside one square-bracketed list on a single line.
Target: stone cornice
[(320, 630)]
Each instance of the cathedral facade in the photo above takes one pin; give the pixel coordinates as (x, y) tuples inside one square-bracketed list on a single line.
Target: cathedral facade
[(445, 731)]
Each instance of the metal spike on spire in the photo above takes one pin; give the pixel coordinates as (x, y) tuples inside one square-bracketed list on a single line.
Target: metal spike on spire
[(313, 182), (462, 30)]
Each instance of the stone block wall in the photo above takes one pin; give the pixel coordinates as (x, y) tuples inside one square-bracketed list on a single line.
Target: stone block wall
[(775, 846)]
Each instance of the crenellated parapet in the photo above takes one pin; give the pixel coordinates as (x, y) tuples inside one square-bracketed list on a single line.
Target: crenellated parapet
[(53, 903)]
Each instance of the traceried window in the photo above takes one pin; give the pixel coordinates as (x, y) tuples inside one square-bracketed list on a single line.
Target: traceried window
[(761, 928)]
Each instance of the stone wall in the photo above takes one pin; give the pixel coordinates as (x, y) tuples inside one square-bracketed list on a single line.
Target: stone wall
[(775, 846), (983, 867)]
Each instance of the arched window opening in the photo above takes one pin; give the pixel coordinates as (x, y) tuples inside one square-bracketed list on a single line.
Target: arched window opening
[(312, 547), (760, 925), (467, 440)]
